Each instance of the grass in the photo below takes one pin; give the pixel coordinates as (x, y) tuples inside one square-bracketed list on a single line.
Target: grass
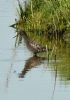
[(44, 20), (47, 22)]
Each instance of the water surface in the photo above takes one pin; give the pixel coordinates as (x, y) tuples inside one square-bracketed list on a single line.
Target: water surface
[(41, 79)]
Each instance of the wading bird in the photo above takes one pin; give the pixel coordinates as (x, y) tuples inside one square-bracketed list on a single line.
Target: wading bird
[(32, 45)]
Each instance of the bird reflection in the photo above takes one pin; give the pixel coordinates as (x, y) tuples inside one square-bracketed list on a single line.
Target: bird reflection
[(31, 63)]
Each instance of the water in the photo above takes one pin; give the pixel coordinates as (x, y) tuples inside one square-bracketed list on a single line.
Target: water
[(40, 80)]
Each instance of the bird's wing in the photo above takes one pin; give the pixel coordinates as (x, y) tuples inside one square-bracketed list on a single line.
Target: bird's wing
[(37, 46)]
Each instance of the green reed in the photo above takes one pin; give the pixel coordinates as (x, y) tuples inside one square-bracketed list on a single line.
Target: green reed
[(47, 22)]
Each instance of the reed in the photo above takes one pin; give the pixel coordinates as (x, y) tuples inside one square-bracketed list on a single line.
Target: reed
[(44, 20), (48, 23)]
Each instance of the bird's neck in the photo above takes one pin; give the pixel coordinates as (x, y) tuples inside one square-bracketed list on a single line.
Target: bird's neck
[(26, 38)]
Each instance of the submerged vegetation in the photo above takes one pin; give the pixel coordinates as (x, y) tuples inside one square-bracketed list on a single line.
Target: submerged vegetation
[(48, 23)]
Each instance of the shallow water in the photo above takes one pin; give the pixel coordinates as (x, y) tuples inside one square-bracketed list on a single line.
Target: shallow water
[(42, 80)]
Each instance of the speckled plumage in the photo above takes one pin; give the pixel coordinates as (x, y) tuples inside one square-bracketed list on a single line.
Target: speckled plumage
[(32, 44)]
